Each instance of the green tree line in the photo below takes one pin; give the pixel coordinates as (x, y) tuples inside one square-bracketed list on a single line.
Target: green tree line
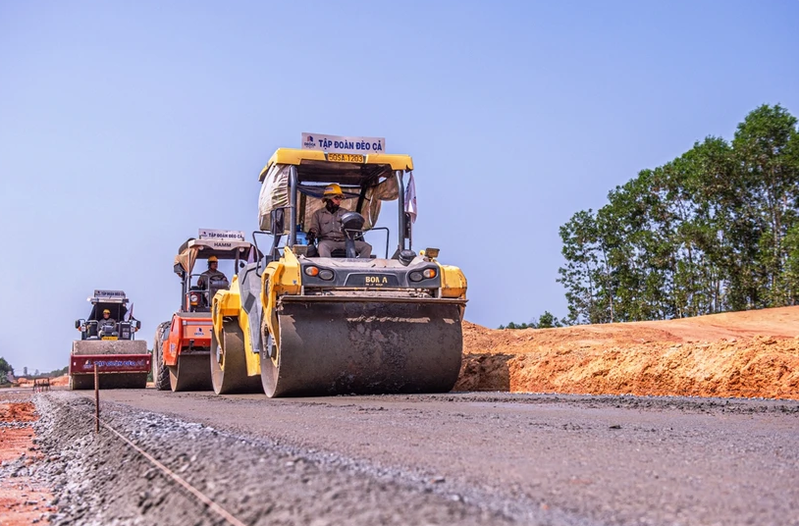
[(5, 368), (545, 321), (714, 230)]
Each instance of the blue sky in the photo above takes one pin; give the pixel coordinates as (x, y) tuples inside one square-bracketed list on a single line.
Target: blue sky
[(126, 126)]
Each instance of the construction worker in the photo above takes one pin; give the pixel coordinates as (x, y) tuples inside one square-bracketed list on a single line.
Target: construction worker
[(106, 320), (326, 225), (211, 273)]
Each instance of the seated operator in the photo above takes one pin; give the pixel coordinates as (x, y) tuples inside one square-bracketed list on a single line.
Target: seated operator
[(211, 274), (326, 225), (106, 321)]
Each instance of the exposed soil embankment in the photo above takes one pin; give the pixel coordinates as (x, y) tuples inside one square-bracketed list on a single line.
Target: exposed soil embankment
[(23, 500), (739, 354)]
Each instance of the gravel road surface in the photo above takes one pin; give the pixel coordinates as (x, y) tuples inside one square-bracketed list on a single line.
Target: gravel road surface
[(465, 458)]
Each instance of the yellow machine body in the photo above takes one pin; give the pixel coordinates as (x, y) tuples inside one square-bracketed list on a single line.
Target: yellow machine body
[(306, 325)]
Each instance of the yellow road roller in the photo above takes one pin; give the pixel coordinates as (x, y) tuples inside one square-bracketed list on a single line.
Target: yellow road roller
[(320, 314)]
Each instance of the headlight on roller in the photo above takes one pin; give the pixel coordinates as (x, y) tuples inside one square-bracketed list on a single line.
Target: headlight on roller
[(311, 271), (419, 275), (326, 274)]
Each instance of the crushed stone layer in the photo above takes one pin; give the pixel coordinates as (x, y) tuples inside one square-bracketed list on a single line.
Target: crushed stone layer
[(99, 480), (471, 458)]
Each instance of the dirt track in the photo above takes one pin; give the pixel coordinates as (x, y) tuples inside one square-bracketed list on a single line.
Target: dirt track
[(23, 499)]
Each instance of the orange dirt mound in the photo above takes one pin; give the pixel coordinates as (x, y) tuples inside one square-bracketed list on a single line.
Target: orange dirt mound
[(18, 412), (22, 502), (60, 381), (739, 354)]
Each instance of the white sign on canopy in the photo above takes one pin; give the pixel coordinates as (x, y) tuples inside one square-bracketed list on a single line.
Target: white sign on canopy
[(109, 294), (231, 235), (337, 144)]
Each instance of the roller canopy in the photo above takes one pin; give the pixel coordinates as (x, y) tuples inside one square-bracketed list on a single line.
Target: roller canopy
[(193, 249), (364, 191)]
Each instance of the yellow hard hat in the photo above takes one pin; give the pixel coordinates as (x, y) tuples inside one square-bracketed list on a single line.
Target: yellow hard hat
[(333, 190), (106, 311), (212, 259)]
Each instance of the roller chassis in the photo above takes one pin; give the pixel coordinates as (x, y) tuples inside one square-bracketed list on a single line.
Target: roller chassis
[(311, 326), (121, 361), (183, 351), (182, 345)]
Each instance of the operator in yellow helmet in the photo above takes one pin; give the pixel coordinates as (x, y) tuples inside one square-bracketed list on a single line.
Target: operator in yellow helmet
[(106, 321), (326, 225), (212, 274)]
